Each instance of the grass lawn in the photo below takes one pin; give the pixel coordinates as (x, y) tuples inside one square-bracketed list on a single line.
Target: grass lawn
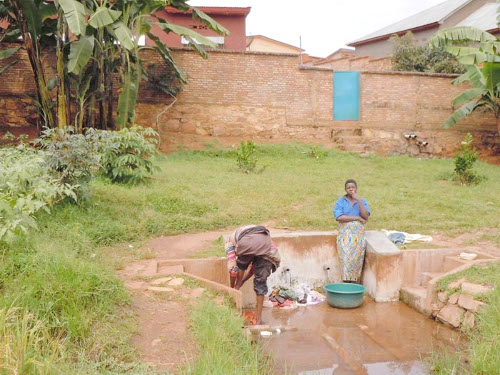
[(63, 277)]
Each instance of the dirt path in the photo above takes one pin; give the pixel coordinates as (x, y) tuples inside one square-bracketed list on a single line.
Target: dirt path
[(162, 309), (163, 339)]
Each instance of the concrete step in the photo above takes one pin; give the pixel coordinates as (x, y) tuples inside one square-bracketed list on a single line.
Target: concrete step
[(349, 140), (414, 296), (451, 262), (428, 276), (352, 147)]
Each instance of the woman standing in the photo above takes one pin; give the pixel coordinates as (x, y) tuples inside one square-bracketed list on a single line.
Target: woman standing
[(352, 212)]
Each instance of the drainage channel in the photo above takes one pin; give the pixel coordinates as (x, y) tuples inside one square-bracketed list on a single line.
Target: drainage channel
[(373, 339)]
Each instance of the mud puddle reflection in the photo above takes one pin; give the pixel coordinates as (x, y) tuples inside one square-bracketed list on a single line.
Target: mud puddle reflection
[(374, 339)]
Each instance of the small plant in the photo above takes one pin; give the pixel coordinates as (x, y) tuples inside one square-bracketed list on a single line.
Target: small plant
[(317, 152), (464, 163), (246, 157), (126, 154)]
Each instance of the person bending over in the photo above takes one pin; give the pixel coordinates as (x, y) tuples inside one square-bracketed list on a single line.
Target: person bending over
[(254, 254)]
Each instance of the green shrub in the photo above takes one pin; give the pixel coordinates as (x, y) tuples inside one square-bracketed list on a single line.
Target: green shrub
[(464, 163), (317, 152), (72, 157), (246, 157), (125, 154), (26, 187), (408, 56)]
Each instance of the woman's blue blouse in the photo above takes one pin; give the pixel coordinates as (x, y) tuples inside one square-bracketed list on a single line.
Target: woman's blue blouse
[(344, 207)]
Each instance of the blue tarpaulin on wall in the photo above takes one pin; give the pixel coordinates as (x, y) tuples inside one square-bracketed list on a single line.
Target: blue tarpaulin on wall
[(346, 95)]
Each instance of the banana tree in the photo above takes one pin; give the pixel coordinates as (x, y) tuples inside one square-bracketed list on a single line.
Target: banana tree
[(480, 52), (30, 20)]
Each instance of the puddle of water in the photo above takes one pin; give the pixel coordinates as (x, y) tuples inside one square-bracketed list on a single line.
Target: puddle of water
[(376, 338)]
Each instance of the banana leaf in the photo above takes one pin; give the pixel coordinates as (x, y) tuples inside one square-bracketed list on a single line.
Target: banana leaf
[(80, 54), (185, 32), (460, 34), (8, 52), (103, 17), (122, 33), (209, 21), (461, 113), (128, 99), (491, 72), (164, 52), (467, 96), (74, 12)]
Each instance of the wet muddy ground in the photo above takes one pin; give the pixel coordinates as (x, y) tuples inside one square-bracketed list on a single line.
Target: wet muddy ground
[(374, 339)]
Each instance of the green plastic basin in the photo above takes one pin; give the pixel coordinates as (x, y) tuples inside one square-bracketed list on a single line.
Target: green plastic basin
[(344, 295)]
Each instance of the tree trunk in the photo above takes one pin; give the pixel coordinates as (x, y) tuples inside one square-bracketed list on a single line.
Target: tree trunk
[(62, 114), (33, 50), (109, 87)]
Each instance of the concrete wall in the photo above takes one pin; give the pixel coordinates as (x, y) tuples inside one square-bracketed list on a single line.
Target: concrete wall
[(382, 272)]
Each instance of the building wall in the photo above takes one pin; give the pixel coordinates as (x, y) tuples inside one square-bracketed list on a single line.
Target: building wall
[(265, 45), (235, 96), (236, 41), (383, 48)]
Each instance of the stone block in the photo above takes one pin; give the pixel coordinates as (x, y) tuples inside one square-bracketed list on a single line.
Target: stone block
[(469, 320), (217, 131), (469, 303), (442, 296), (161, 280), (457, 283), (160, 289), (176, 282), (476, 288), (453, 299), (451, 314)]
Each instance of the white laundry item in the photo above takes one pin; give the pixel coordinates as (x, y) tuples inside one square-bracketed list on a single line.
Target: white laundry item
[(409, 237)]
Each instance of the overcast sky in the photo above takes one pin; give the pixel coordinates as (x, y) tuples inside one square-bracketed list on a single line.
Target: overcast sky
[(323, 25)]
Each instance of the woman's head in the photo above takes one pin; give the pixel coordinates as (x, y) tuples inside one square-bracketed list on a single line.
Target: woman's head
[(351, 186)]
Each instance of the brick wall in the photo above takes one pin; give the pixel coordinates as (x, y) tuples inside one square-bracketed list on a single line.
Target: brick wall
[(234, 96)]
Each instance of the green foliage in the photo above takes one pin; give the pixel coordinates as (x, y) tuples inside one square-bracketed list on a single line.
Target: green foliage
[(317, 152), (27, 186), (464, 161), (408, 56), (72, 157), (480, 52), (246, 157), (126, 154)]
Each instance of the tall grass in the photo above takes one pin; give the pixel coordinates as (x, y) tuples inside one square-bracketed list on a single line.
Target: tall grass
[(27, 345), (223, 347)]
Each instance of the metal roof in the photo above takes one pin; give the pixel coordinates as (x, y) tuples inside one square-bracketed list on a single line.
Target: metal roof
[(435, 14), (485, 18)]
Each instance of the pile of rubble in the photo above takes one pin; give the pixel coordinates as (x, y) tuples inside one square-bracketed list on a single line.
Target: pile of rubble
[(457, 305)]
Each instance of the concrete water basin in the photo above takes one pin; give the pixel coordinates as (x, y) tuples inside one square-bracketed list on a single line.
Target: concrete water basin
[(375, 338)]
